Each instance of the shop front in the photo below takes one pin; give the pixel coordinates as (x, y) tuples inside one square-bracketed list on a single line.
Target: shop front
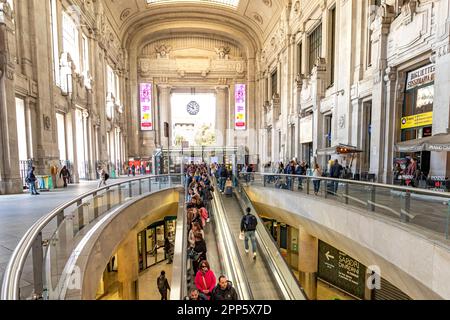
[(417, 145), (151, 242)]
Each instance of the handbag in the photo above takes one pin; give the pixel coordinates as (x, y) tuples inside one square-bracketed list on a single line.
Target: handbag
[(193, 255), (241, 236)]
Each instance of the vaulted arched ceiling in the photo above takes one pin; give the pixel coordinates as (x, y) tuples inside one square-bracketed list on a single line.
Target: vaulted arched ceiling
[(252, 18)]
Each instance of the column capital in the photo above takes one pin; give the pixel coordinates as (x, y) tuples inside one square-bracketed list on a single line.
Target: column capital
[(221, 88), (165, 87)]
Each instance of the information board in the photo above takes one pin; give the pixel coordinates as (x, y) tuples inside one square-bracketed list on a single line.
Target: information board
[(341, 270)]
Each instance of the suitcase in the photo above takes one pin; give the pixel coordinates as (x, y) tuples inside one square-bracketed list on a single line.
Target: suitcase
[(229, 191)]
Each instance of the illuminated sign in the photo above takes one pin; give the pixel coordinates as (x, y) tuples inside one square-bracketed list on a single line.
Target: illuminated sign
[(240, 120), (146, 106), (417, 120), (420, 77)]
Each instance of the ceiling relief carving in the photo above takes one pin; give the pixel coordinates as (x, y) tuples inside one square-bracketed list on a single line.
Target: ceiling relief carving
[(192, 57), (223, 53), (162, 52)]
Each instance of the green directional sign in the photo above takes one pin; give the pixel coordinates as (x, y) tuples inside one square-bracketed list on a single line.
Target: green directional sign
[(341, 270)]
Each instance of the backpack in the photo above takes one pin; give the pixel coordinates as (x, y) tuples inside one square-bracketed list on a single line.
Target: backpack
[(250, 223), (161, 283), (106, 176)]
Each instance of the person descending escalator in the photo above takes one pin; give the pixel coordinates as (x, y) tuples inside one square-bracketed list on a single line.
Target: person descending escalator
[(248, 227), (199, 252), (196, 295), (224, 291), (205, 280)]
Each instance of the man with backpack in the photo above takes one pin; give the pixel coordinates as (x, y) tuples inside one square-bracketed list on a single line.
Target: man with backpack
[(163, 285), (248, 227)]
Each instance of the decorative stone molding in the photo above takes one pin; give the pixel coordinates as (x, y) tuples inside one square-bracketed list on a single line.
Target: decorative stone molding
[(223, 53), (257, 17), (391, 74), (297, 7), (184, 66), (268, 3), (162, 52), (408, 10)]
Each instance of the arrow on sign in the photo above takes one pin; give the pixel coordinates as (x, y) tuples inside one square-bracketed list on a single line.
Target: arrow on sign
[(329, 256)]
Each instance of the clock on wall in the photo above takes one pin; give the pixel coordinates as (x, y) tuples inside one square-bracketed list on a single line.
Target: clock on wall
[(193, 108)]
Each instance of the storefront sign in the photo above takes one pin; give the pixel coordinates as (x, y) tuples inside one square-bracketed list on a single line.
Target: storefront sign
[(420, 77), (417, 120), (240, 103), (341, 270), (146, 106), (306, 129)]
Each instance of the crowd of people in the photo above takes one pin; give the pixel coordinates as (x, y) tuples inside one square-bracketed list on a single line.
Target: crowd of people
[(334, 170), (199, 196)]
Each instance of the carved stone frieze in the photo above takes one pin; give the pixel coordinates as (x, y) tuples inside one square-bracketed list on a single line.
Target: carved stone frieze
[(183, 66)]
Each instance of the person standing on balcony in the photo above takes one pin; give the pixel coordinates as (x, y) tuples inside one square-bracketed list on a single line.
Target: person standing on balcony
[(103, 177), (317, 172), (31, 180), (65, 174), (335, 172)]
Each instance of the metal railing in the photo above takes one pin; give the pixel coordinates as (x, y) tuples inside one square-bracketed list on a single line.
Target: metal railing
[(55, 234), (423, 208)]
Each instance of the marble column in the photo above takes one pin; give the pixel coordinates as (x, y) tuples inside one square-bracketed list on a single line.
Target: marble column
[(440, 161), (164, 114), (221, 115), (10, 181), (308, 262), (128, 267)]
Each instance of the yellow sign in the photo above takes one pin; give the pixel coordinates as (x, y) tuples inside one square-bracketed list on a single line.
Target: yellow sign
[(417, 120)]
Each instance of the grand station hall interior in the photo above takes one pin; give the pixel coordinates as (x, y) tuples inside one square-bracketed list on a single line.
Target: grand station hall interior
[(225, 150)]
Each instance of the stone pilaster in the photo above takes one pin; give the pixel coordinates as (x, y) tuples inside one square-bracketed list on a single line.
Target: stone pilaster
[(164, 114), (10, 181), (221, 114), (440, 161), (308, 262), (380, 28)]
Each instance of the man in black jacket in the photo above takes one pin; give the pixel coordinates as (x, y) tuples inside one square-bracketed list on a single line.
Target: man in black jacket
[(31, 180), (248, 227), (224, 290), (335, 172)]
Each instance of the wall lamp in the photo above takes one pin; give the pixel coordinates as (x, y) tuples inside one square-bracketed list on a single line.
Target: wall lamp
[(341, 92)]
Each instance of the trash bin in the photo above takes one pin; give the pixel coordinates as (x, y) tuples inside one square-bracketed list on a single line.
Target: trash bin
[(50, 183)]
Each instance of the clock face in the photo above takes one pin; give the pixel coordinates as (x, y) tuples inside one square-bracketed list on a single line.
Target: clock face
[(193, 108)]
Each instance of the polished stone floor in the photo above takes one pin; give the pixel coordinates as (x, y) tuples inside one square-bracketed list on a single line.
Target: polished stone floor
[(19, 212)]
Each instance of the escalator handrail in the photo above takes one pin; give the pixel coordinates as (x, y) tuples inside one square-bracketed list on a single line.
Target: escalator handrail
[(179, 275)]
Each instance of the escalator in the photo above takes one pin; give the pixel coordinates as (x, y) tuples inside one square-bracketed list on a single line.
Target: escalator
[(262, 283), (268, 277)]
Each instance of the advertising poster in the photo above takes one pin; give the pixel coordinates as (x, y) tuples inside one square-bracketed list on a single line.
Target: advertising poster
[(146, 107), (240, 103)]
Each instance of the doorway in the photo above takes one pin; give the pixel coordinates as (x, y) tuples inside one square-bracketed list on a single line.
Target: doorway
[(193, 119), (151, 242)]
